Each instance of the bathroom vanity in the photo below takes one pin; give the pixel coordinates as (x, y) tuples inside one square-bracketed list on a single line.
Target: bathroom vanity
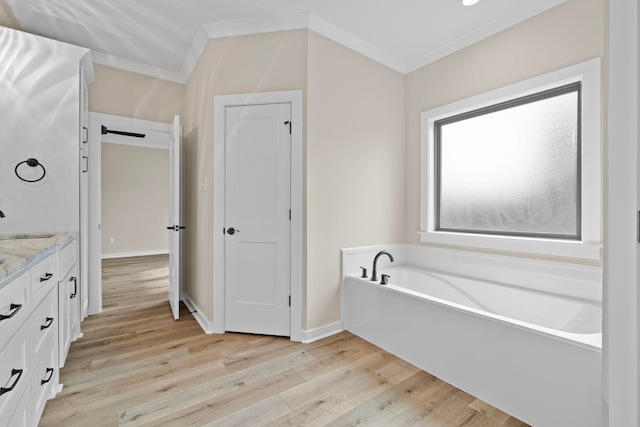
[(39, 318)]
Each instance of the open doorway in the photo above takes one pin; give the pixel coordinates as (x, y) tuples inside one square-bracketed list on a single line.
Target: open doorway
[(135, 200), (129, 194)]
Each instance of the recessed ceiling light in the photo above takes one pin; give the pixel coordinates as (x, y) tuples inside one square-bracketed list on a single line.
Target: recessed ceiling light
[(469, 2)]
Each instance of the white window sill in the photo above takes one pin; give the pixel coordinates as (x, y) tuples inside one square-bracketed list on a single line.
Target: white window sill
[(520, 245)]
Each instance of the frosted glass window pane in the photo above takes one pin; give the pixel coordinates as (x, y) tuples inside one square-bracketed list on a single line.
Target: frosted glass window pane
[(512, 169)]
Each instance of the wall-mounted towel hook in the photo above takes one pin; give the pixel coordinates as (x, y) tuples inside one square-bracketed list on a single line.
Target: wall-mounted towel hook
[(33, 163)]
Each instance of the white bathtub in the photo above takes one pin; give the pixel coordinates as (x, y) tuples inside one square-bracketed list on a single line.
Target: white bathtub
[(533, 354)]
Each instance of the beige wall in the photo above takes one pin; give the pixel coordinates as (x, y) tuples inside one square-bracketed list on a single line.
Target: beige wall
[(353, 155), (568, 34), (354, 166), (135, 183), (135, 199), (127, 94), (268, 62)]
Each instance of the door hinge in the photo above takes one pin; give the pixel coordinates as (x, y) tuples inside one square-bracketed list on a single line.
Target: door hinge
[(289, 300), (288, 122), (289, 214), (638, 226)]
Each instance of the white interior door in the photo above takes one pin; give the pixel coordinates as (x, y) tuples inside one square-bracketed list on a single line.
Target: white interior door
[(175, 213), (257, 217)]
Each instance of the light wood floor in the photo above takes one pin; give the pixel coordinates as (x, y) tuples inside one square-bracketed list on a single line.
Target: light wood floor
[(135, 366)]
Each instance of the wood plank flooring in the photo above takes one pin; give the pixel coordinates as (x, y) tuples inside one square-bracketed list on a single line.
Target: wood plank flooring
[(136, 366)]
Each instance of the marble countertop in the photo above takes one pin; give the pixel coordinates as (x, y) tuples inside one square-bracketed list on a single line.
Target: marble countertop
[(19, 250)]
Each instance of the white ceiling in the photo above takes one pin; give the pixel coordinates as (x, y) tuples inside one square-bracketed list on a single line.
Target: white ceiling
[(164, 37)]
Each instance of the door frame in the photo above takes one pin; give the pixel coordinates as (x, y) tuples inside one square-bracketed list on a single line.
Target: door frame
[(156, 132), (621, 300), (220, 103)]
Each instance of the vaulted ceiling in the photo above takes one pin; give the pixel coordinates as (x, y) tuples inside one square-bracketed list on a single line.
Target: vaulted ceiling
[(162, 37)]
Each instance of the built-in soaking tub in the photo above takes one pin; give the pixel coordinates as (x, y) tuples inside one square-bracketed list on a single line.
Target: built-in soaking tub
[(533, 354)]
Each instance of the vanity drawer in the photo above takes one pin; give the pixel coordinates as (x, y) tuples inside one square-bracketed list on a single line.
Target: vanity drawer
[(14, 307), (43, 278), (22, 415), (14, 372), (44, 326), (43, 381)]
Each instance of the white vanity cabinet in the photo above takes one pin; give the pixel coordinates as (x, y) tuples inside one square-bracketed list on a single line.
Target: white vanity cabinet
[(15, 363), (39, 316), (43, 324), (29, 340)]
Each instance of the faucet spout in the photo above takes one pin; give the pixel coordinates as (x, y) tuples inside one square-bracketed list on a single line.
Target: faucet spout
[(374, 275)]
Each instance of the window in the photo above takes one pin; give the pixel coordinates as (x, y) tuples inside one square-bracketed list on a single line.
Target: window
[(517, 169)]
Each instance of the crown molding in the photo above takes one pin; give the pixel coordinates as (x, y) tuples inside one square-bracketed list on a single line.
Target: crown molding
[(136, 67), (240, 27), (275, 23), (198, 46), (257, 25), (345, 38), (482, 32), (313, 22)]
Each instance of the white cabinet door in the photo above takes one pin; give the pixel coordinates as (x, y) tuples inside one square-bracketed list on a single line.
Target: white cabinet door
[(74, 304), (64, 336), (15, 371), (68, 313)]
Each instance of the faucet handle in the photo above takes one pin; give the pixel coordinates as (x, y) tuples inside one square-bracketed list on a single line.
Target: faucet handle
[(364, 273), (384, 280)]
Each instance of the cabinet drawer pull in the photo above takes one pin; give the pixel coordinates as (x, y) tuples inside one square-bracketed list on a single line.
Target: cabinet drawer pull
[(46, 277), (50, 374), (47, 324), (14, 372), (75, 287), (15, 308)]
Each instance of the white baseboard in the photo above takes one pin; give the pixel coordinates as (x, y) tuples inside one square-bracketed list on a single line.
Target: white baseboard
[(307, 337), (320, 333), (204, 323), (134, 254)]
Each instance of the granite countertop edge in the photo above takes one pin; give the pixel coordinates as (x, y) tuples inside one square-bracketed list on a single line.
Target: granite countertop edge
[(21, 250)]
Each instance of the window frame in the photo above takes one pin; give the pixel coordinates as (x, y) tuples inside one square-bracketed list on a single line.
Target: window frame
[(589, 244)]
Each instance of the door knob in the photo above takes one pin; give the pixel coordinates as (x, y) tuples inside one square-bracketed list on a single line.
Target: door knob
[(176, 227), (232, 231)]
